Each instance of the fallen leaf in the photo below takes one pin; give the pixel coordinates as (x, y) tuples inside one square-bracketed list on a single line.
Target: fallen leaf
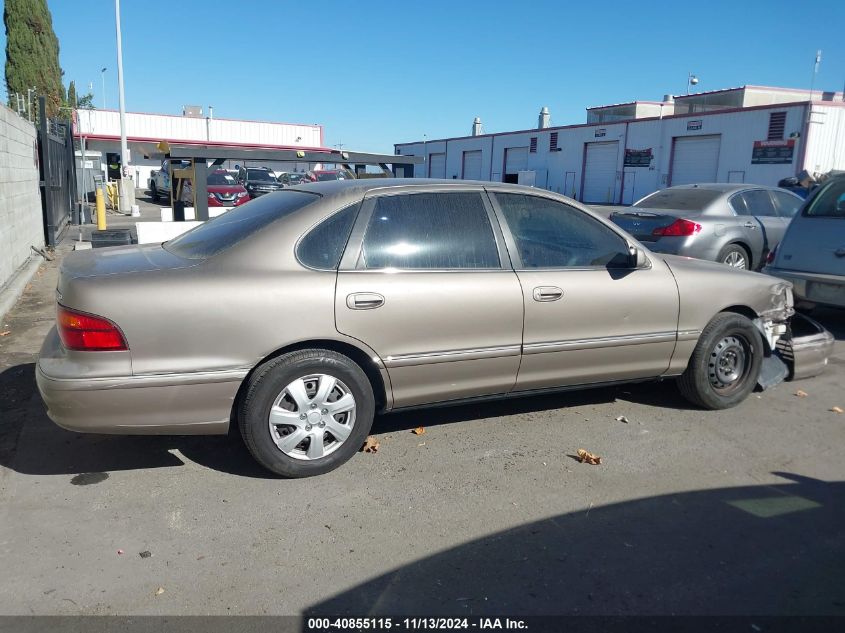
[(588, 457), (145, 554), (837, 409), (120, 552), (421, 444), (5, 332), (419, 430), (622, 418), (371, 445), (801, 394), (159, 591)]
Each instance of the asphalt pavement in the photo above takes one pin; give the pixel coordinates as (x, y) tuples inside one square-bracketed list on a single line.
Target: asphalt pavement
[(487, 512)]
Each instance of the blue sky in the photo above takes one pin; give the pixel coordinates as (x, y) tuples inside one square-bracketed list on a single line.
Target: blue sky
[(376, 73)]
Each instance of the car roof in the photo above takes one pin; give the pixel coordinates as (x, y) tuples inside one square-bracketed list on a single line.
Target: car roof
[(333, 187), (722, 186)]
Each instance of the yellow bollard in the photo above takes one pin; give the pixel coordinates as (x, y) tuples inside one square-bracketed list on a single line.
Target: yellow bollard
[(101, 210)]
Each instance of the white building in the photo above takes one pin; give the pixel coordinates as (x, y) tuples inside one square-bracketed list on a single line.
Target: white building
[(101, 130), (750, 134)]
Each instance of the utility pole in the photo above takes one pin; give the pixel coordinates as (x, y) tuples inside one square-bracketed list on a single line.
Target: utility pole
[(127, 185), (815, 72), (103, 75)]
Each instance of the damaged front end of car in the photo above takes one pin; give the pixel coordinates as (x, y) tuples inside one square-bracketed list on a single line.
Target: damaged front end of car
[(797, 346)]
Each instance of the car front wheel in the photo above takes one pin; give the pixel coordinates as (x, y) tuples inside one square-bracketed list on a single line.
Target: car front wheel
[(306, 412), (725, 364)]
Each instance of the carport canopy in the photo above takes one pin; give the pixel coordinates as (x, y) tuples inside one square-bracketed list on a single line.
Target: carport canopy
[(200, 155)]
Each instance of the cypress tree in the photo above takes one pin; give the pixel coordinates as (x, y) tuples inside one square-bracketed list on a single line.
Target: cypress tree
[(32, 53), (71, 95)]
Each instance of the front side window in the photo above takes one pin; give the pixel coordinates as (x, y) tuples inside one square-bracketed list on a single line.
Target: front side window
[(829, 203), (430, 231), (550, 234), (323, 246)]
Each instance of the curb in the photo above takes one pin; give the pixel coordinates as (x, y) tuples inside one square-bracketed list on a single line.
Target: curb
[(12, 291)]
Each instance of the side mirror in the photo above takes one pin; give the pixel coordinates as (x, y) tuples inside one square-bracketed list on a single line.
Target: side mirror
[(637, 257)]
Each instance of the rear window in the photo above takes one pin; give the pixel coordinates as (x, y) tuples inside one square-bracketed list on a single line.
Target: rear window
[(218, 234), (682, 199), (829, 202)]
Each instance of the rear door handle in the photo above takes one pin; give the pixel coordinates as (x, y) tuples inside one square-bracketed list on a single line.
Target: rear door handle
[(364, 301), (750, 225), (547, 293)]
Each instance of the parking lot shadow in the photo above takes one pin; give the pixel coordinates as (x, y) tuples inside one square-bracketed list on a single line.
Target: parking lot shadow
[(832, 319), (766, 550)]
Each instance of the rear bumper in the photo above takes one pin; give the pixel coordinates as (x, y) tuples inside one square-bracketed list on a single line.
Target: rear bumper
[(811, 287), (182, 404), (92, 394)]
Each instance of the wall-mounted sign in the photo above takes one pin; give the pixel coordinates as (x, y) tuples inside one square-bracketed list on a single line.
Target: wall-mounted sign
[(638, 157), (773, 152), (601, 132), (694, 125)]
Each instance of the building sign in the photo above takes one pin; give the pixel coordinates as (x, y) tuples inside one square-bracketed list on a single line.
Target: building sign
[(638, 157), (773, 152), (694, 125), (601, 132)]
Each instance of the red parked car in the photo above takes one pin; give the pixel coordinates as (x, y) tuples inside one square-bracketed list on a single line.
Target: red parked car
[(224, 190)]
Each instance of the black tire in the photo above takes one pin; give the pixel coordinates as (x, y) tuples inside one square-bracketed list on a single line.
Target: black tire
[(271, 379), (699, 383), (734, 251), (154, 193)]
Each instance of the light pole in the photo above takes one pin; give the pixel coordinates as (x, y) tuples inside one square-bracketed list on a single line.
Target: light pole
[(692, 80), (103, 75), (425, 157), (127, 189)]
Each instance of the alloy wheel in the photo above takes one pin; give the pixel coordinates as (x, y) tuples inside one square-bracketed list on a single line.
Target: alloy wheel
[(735, 259)]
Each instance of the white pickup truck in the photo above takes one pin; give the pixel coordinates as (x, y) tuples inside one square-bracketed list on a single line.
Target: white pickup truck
[(159, 181)]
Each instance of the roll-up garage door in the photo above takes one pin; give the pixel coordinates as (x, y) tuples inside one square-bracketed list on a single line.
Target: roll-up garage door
[(472, 166), (437, 165), (516, 160), (600, 172), (695, 159)]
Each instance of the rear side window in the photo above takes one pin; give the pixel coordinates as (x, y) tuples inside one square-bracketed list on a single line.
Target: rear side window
[(786, 204), (550, 234), (759, 203), (224, 231), (323, 246), (430, 231), (829, 203)]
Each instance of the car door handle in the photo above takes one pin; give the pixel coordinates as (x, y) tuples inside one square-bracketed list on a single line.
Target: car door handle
[(750, 225), (364, 301), (547, 293)]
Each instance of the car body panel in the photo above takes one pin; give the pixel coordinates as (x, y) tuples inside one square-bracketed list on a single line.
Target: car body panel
[(196, 328)]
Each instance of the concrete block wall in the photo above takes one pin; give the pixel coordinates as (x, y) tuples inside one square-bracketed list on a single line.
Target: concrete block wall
[(21, 223)]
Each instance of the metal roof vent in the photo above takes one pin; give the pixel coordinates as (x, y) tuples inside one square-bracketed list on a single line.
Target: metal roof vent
[(192, 110), (477, 130), (545, 119)]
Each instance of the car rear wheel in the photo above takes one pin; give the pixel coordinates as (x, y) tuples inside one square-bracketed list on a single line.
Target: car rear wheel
[(735, 256), (306, 412), (725, 364)]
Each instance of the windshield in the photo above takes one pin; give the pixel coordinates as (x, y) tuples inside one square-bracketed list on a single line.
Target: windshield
[(218, 234), (682, 199), (221, 178), (260, 174), (328, 175), (829, 203)]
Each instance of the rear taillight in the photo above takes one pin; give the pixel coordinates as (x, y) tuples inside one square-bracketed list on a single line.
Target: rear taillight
[(88, 333), (678, 228), (770, 258)]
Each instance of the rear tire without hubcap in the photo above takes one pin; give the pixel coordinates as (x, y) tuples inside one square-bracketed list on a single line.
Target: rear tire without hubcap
[(725, 364), (307, 412)]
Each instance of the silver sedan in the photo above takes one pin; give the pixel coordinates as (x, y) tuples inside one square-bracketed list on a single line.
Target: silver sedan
[(735, 224)]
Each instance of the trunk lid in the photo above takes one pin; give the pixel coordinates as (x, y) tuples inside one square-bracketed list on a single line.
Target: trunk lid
[(641, 223)]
